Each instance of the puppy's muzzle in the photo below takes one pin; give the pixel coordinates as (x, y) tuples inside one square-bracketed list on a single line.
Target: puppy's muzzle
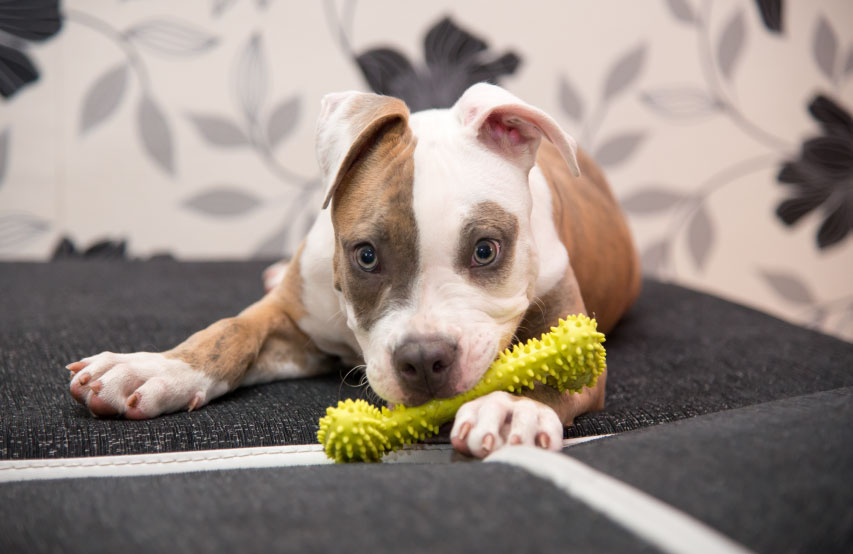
[(423, 365)]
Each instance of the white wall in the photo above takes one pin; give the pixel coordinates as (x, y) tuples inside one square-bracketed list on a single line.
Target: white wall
[(703, 106)]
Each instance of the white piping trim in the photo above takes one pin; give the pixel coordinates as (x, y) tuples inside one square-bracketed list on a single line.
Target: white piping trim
[(210, 460), (647, 517), (156, 464)]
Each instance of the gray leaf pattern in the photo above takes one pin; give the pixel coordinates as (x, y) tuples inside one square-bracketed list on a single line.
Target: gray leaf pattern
[(788, 286), (680, 102), (218, 131), (251, 77), (682, 10), (17, 228), (103, 97), (223, 201), (652, 200), (848, 63), (700, 237), (155, 134), (219, 6), (570, 100), (846, 320), (282, 121), (618, 149), (655, 256), (817, 318), (624, 71), (825, 47), (274, 245), (731, 44), (171, 37), (4, 152)]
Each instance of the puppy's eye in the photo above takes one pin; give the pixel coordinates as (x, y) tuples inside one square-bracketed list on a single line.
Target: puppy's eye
[(366, 257), (485, 252)]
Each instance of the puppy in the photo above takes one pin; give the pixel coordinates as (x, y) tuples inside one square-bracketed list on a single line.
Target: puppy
[(446, 235)]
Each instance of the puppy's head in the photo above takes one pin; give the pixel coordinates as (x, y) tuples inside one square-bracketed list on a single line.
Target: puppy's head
[(435, 261)]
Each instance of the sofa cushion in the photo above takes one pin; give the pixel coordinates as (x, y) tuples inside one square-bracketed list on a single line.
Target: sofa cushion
[(677, 354)]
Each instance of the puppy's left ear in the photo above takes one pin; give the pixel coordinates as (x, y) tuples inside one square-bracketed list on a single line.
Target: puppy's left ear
[(512, 127), (349, 124)]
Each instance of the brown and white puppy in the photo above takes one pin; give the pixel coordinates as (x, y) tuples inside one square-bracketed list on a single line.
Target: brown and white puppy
[(449, 234)]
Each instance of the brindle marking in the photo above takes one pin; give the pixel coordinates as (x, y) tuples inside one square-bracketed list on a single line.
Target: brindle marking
[(590, 223), (266, 331), (379, 177), (226, 349), (487, 220), (604, 277)]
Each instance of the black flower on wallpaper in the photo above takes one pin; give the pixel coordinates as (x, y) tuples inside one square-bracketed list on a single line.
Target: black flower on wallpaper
[(823, 174), (771, 14), (105, 249), (455, 59), (21, 21)]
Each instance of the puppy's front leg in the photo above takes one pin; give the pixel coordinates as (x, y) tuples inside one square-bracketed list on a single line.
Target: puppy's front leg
[(486, 424), (537, 418), (260, 344)]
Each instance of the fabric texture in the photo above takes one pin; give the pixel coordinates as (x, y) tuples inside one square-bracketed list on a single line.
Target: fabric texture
[(354, 508), (774, 477), (677, 354)]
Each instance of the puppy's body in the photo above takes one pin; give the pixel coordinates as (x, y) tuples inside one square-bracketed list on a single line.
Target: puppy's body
[(443, 244), (590, 225)]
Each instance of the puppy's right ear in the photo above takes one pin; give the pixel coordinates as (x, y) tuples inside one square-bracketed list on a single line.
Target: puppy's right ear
[(349, 123)]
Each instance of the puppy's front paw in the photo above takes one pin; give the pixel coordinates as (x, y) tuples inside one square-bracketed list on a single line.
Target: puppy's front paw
[(273, 275), (140, 385), (486, 424)]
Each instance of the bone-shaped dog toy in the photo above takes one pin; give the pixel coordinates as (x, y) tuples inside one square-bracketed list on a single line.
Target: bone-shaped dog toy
[(568, 358)]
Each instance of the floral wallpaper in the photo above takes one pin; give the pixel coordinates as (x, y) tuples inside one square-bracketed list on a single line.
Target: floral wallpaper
[(140, 129)]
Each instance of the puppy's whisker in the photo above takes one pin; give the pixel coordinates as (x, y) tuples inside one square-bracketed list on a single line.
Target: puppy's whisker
[(339, 315), (541, 305), (369, 395), (346, 376), (353, 369)]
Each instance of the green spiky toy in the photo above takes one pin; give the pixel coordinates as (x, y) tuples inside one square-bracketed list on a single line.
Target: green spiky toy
[(568, 358)]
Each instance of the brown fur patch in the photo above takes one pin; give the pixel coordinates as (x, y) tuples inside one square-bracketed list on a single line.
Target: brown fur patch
[(545, 311), (226, 349), (373, 205), (591, 224), (289, 290), (487, 220)]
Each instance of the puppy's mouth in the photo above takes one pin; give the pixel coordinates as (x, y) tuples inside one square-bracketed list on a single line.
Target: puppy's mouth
[(418, 398), (418, 386), (443, 383)]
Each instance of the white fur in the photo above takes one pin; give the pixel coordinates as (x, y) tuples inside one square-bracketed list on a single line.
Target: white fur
[(325, 322), (163, 384), (273, 370), (273, 275), (552, 253), (504, 416)]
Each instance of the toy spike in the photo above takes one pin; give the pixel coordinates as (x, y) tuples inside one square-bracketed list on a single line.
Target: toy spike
[(568, 358)]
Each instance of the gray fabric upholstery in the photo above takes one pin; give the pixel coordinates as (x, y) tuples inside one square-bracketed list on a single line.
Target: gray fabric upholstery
[(373, 508), (677, 354), (774, 477)]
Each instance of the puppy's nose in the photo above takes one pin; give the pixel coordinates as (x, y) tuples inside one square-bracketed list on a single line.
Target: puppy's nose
[(423, 362)]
